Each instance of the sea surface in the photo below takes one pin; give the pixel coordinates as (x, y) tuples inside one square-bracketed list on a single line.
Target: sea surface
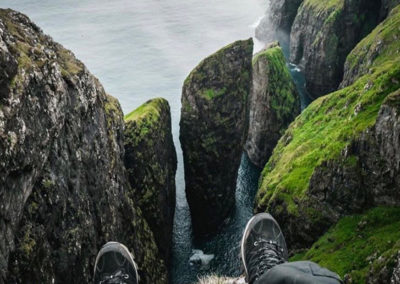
[(142, 49)]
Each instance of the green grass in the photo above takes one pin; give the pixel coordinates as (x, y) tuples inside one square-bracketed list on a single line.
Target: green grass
[(280, 84), (324, 129), (141, 121), (355, 243), (149, 109)]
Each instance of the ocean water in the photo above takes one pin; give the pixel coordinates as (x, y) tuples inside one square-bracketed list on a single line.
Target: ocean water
[(142, 49)]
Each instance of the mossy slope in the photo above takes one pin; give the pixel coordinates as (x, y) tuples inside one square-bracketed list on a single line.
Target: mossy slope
[(322, 135), (360, 248)]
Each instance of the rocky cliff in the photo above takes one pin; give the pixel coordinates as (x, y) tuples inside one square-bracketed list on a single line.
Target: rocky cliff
[(214, 120), (322, 35), (379, 46), (283, 13), (274, 103), (150, 160), (341, 155), (63, 185)]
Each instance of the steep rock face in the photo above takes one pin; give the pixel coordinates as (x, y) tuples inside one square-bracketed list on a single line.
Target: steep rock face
[(322, 35), (213, 130), (283, 13), (63, 185), (150, 159), (387, 6), (340, 156), (379, 46), (274, 103)]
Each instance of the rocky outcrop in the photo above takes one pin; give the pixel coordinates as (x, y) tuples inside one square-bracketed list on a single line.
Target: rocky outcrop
[(283, 13), (63, 185), (341, 155), (380, 44), (274, 103), (213, 129), (150, 160), (323, 34)]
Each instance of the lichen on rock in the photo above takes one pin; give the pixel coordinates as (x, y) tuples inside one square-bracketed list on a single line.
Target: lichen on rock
[(274, 103), (150, 160), (213, 129)]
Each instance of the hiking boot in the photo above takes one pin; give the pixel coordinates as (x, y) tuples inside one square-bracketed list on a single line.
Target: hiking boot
[(115, 264), (263, 246)]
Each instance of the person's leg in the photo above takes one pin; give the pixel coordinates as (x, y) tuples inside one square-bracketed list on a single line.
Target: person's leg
[(115, 264), (264, 256), (299, 272)]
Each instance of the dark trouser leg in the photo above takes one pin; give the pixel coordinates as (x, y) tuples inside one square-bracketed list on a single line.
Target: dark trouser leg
[(299, 272)]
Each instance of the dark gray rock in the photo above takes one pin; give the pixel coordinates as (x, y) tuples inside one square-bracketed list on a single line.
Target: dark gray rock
[(63, 184), (387, 6), (323, 35), (150, 159), (214, 122), (283, 13), (274, 103)]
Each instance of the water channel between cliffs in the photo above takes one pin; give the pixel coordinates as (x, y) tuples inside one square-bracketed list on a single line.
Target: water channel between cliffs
[(224, 245)]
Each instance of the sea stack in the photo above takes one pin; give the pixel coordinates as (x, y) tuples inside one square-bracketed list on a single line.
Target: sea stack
[(274, 103), (150, 159), (213, 130)]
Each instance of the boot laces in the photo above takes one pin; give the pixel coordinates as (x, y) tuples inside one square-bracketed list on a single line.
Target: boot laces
[(268, 255), (117, 277)]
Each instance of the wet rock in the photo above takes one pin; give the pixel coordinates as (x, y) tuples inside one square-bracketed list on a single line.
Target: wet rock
[(63, 185), (274, 103), (213, 129), (150, 159)]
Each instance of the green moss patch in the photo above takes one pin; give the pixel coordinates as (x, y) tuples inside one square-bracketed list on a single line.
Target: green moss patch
[(319, 5), (150, 109), (359, 244), (280, 84)]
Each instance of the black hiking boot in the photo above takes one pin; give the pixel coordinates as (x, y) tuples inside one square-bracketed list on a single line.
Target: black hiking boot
[(263, 246), (115, 264)]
